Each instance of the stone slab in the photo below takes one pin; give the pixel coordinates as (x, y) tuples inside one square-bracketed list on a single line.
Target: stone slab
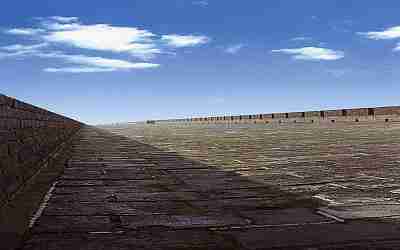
[(363, 211)]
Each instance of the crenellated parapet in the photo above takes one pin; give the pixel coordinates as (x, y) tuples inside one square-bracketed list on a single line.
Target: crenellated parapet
[(385, 114)]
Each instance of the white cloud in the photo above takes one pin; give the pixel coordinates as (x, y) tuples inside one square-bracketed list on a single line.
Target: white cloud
[(233, 49), (89, 63), (390, 33), (78, 70), (24, 31), (63, 32), (13, 54), (63, 19), (312, 53), (56, 26), (178, 41), (21, 47), (200, 3), (104, 37), (99, 62), (397, 48), (17, 50), (301, 38), (107, 63), (138, 42)]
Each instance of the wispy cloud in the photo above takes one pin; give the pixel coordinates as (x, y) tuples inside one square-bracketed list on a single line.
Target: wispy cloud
[(301, 38), (233, 49), (21, 47), (138, 42), (390, 33), (84, 69), (201, 3), (179, 41), (63, 19), (85, 63), (17, 50), (312, 53), (387, 34), (69, 32), (78, 70), (99, 61), (24, 31)]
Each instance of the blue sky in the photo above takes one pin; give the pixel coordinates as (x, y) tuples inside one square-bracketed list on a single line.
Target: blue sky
[(115, 61)]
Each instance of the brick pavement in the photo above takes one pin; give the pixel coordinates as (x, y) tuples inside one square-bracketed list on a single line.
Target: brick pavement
[(119, 193)]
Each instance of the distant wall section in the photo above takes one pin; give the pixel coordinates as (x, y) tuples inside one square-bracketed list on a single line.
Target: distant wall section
[(378, 114)]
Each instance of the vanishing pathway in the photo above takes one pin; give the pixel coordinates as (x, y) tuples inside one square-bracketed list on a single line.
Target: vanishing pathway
[(117, 193)]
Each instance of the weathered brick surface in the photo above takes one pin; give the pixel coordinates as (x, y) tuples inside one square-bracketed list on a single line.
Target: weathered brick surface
[(333, 113), (387, 111), (225, 186), (28, 134)]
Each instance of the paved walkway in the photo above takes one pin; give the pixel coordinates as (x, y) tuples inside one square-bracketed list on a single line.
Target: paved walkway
[(117, 193)]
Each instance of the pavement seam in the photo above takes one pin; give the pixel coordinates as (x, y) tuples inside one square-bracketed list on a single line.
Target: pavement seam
[(43, 205), (330, 216)]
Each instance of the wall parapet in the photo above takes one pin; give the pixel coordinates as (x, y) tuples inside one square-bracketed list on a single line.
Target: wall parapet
[(386, 114), (28, 134)]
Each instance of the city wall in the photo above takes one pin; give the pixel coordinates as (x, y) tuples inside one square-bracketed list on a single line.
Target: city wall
[(383, 114), (28, 135)]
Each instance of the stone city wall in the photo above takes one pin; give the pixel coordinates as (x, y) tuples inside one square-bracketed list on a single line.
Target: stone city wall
[(385, 114), (28, 135)]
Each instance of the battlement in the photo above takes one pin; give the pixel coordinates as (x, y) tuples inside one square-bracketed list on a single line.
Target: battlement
[(386, 114)]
